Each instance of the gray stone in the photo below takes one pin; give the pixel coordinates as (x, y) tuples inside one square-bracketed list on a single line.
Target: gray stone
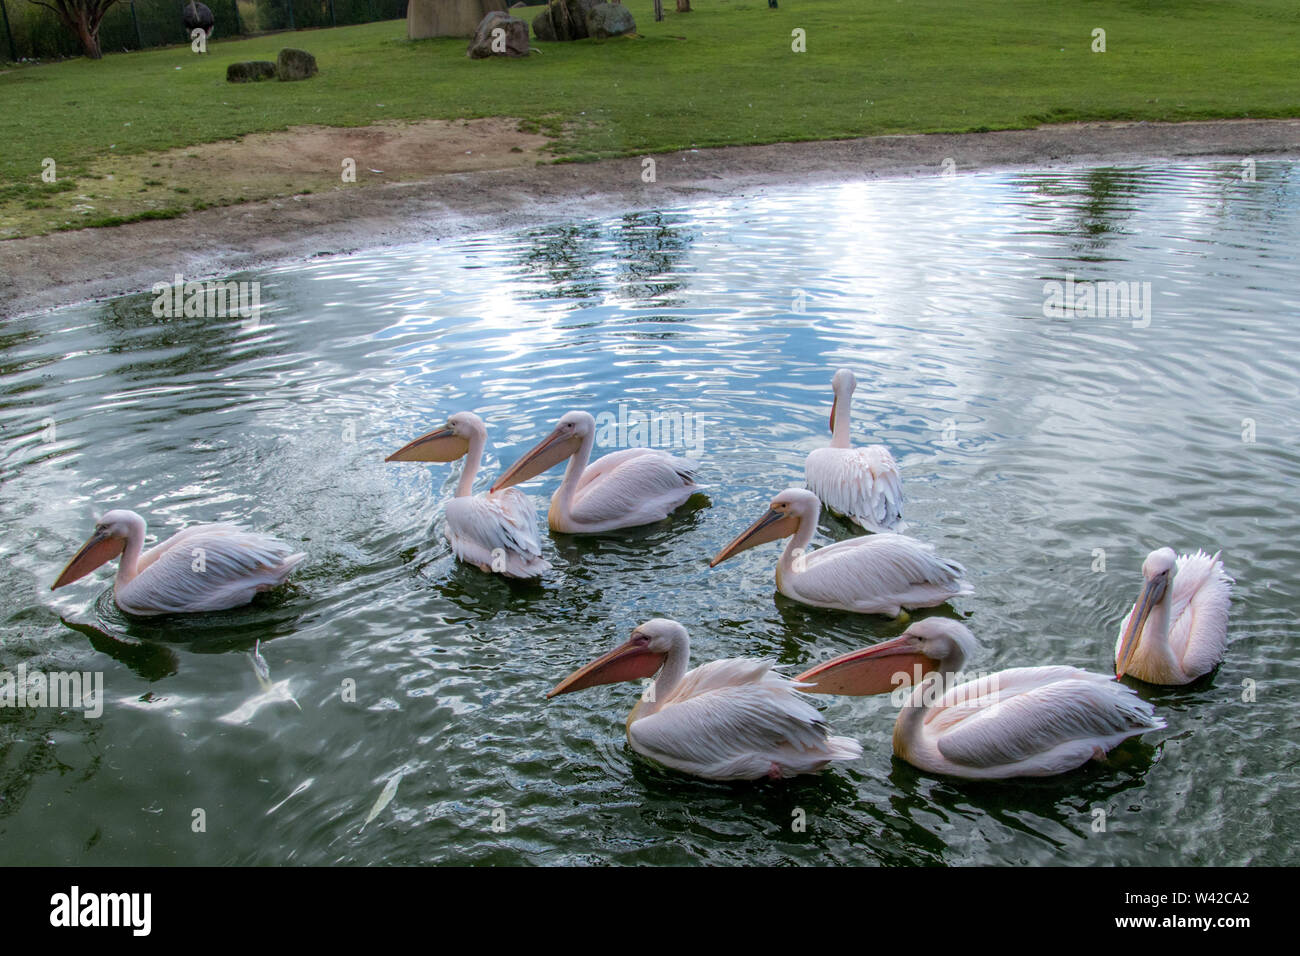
[(564, 20), (514, 40), (606, 20), (543, 29), (295, 64), (250, 71)]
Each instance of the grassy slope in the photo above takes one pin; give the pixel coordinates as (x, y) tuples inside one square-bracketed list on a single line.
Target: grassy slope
[(724, 74)]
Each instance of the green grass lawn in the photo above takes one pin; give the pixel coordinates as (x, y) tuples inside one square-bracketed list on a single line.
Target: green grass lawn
[(722, 75)]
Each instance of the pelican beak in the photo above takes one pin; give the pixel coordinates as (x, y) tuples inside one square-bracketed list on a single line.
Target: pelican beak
[(835, 405), (552, 450), (630, 661), (101, 547), (872, 670), (441, 444), (1151, 595), (773, 526)]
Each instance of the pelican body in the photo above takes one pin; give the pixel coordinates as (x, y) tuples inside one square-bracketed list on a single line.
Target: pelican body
[(1178, 628), (861, 484), (209, 567), (494, 532), (1019, 722), (624, 489), (734, 719), (874, 574)]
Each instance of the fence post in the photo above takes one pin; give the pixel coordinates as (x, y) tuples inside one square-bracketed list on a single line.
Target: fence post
[(13, 50), (136, 20)]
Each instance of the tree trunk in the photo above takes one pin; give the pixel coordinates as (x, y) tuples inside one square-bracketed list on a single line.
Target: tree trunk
[(87, 34), (683, 6)]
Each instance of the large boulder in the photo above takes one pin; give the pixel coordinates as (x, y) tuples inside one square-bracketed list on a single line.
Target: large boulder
[(447, 18), (294, 64), (250, 71), (609, 20), (499, 34), (564, 20)]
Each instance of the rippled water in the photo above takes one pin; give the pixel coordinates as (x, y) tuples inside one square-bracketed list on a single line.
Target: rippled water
[(1026, 442)]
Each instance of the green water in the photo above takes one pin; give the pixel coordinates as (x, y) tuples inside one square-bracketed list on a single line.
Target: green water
[(1026, 443)]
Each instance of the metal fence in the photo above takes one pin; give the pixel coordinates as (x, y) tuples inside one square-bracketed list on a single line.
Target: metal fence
[(28, 31)]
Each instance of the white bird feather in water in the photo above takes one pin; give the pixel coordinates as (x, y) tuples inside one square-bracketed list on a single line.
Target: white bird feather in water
[(873, 574), (734, 719), (208, 567), (862, 484), (272, 693), (385, 797), (1019, 722), (624, 489), (1177, 630), (494, 532)]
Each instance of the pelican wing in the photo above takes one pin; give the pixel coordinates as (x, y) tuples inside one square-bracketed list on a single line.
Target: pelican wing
[(638, 480), (184, 536), (497, 531), (207, 568), (736, 718), (1198, 612), (862, 483), (1018, 714), (887, 567)]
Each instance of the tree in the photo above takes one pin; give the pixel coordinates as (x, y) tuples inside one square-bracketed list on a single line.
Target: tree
[(83, 18)]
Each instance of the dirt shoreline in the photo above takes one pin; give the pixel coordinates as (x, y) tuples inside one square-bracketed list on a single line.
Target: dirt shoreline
[(45, 272)]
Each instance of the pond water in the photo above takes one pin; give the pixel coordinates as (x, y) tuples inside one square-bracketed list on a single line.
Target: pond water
[(1033, 444)]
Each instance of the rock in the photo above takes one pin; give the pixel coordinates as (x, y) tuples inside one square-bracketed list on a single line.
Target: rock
[(295, 64), (513, 42), (542, 27), (609, 20), (447, 18), (564, 20), (250, 71)]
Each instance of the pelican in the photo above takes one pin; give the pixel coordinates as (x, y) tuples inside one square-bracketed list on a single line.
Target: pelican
[(1020, 722), (209, 567), (861, 483), (623, 489), (732, 719), (493, 532), (874, 574), (1177, 630)]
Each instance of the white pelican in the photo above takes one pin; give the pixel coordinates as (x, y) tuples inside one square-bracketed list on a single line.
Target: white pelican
[(1020, 722), (494, 532), (862, 484), (1177, 630), (209, 567), (874, 574), (623, 489), (732, 719)]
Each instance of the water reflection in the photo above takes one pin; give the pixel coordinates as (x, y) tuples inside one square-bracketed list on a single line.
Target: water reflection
[(1026, 443)]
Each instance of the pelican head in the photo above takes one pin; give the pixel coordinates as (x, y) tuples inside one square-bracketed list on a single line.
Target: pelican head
[(106, 543), (843, 384), (937, 644), (642, 656), (447, 442), (568, 436), (1157, 570), (783, 516)]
